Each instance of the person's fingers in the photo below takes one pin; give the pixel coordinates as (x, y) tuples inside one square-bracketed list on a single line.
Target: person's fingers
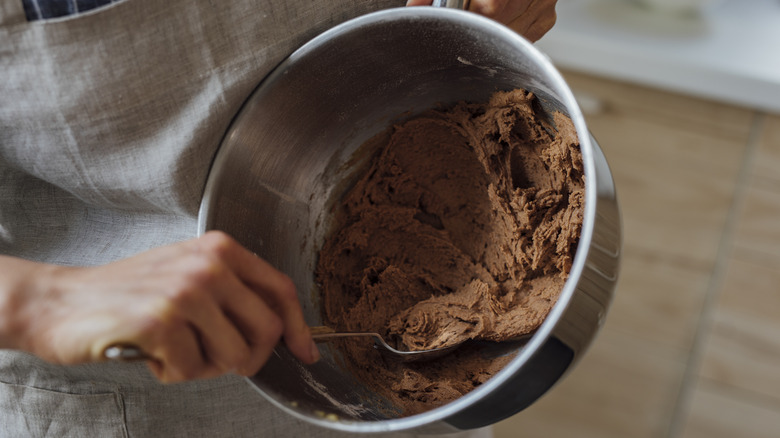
[(177, 356), (536, 20), (538, 28), (283, 299), (530, 18), (198, 308), (274, 287), (261, 327), (222, 344), (500, 10)]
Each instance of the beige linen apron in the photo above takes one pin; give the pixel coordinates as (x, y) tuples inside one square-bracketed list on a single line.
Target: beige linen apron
[(108, 123)]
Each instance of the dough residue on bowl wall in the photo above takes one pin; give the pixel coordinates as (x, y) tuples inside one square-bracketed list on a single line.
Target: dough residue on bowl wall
[(463, 227)]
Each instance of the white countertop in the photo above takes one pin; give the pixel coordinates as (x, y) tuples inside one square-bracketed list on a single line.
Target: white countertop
[(730, 52)]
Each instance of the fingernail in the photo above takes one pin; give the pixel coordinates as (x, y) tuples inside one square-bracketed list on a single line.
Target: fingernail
[(315, 352)]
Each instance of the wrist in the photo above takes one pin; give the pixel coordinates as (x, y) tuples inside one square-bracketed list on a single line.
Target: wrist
[(22, 284)]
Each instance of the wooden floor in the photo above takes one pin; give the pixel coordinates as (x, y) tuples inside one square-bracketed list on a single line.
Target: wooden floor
[(691, 347)]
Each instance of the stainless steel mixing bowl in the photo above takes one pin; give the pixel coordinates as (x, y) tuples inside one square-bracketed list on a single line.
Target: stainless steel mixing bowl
[(295, 147)]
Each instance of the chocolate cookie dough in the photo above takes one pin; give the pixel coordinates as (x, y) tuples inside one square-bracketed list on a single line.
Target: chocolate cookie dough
[(464, 227)]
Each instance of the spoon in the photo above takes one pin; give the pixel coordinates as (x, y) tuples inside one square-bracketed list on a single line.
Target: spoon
[(127, 352), (321, 334)]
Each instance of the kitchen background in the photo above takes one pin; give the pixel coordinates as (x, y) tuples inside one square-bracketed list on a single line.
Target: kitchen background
[(687, 110)]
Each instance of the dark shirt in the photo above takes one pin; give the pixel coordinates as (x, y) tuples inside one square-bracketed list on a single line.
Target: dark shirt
[(43, 9)]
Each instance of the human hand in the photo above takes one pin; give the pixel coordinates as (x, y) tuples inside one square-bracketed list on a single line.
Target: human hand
[(530, 18), (199, 308)]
